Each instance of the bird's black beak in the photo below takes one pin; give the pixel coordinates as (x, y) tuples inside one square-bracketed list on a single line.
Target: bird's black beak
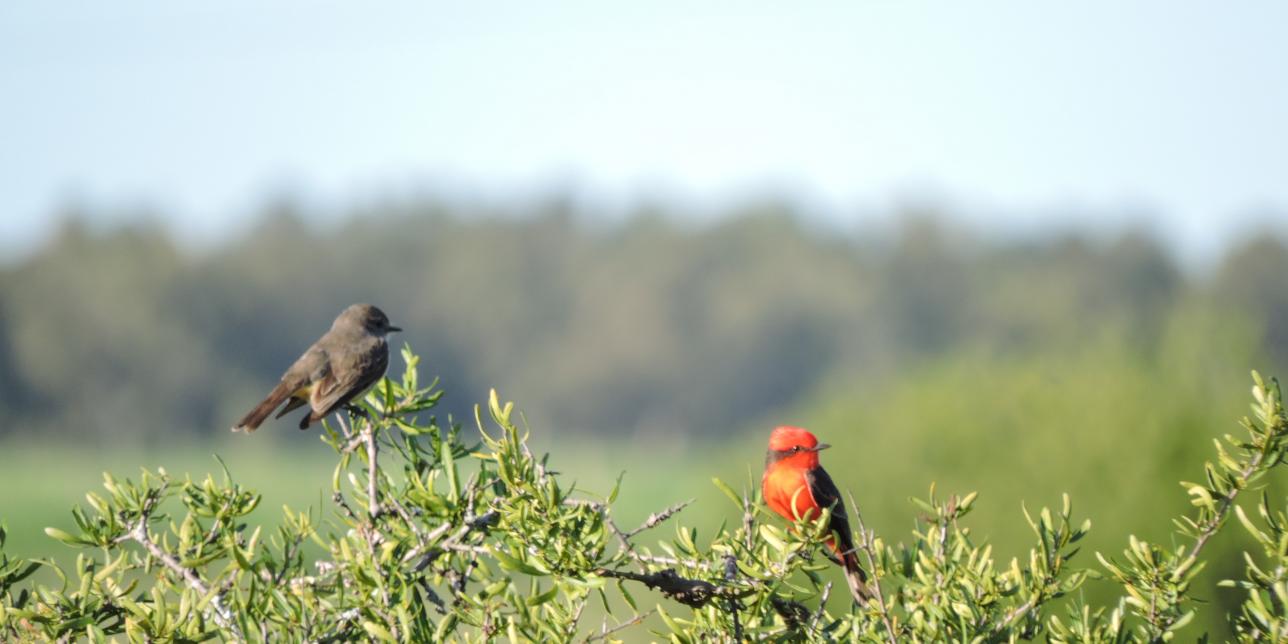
[(394, 329), (820, 447)]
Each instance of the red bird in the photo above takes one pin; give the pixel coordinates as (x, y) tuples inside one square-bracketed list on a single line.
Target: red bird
[(795, 485)]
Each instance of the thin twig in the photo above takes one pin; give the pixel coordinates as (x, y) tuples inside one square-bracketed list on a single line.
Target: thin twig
[(221, 614), (458, 584), (867, 539), (344, 425), (371, 534), (672, 561), (338, 499), (1223, 507), (605, 631), (352, 444), (218, 523), (731, 573), (373, 502), (658, 517), (822, 604), (1038, 597), (576, 618), (748, 521), (434, 550), (1208, 529), (623, 539), (290, 549), (402, 512)]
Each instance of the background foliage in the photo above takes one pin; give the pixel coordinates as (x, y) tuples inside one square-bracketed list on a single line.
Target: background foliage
[(646, 325)]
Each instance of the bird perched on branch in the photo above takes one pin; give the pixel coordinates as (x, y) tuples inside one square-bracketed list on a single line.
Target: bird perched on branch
[(342, 364), (797, 487)]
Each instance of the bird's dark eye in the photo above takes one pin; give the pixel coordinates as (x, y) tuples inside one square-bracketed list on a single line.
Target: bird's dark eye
[(796, 448)]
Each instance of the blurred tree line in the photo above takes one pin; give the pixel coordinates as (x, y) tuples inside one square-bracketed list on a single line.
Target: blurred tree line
[(648, 324)]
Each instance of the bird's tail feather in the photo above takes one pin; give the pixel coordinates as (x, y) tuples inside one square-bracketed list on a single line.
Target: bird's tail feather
[(295, 403), (261, 411), (856, 578)]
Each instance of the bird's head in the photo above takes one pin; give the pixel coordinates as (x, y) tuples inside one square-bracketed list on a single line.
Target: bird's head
[(795, 445), (367, 317)]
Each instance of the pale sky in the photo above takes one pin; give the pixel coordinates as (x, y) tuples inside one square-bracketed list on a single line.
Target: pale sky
[(1022, 115)]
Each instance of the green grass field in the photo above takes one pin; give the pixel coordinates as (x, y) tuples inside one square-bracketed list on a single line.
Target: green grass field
[(42, 481)]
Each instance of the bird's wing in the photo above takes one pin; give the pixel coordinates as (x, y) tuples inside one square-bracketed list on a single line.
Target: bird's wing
[(824, 491), (309, 368), (350, 373), (826, 495)]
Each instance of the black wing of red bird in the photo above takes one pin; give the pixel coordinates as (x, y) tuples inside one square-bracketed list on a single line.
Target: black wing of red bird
[(826, 495)]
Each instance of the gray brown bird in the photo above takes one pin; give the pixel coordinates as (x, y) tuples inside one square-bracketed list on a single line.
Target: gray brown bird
[(342, 364)]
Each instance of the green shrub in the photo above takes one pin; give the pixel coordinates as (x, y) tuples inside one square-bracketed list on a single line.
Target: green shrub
[(429, 538)]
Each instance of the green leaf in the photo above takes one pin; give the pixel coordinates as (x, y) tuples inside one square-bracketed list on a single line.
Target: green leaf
[(670, 623), (617, 487), (446, 626), (67, 538), (770, 534), (518, 565), (626, 595), (728, 491), (929, 509), (542, 598), (26, 572), (377, 631), (242, 561), (449, 467)]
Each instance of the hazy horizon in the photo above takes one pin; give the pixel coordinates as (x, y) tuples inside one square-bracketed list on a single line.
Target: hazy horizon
[(863, 222)]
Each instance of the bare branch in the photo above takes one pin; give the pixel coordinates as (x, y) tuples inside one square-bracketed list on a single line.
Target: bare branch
[(373, 467), (695, 593), (733, 605), (435, 550), (344, 506), (748, 520), (867, 543), (658, 517), (822, 604), (220, 614), (216, 524), (671, 561), (289, 551), (605, 631), (623, 539)]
